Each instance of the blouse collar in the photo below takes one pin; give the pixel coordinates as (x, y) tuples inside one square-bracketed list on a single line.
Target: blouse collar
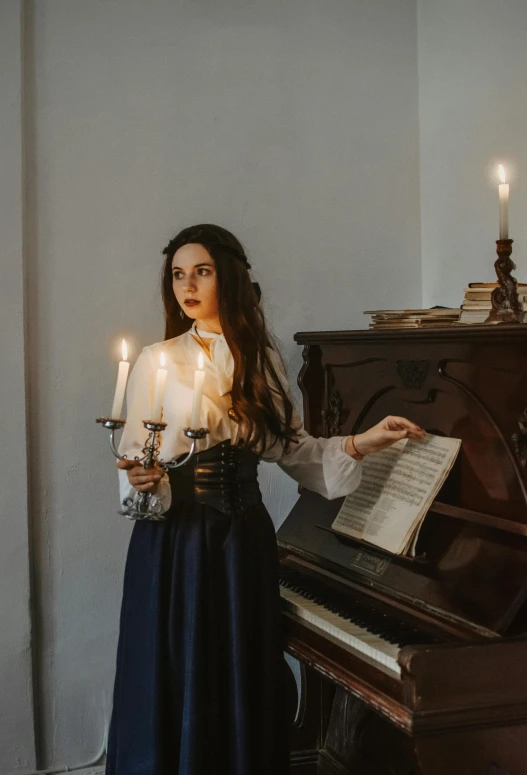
[(221, 358), (204, 334)]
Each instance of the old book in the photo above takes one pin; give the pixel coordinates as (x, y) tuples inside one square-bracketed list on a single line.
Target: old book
[(470, 306), (399, 324), (397, 488), (486, 295), (405, 312), (475, 316), (473, 286), (410, 324), (478, 295)]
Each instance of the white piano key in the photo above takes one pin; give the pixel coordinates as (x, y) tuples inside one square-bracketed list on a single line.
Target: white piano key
[(344, 631)]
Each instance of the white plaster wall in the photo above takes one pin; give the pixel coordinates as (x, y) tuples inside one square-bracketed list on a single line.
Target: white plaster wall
[(473, 115), (17, 745), (293, 124)]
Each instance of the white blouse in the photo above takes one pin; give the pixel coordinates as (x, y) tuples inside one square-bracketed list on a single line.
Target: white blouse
[(319, 464)]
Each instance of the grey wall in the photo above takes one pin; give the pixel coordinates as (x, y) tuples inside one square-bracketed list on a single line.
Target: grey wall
[(295, 125), (473, 115), (17, 747)]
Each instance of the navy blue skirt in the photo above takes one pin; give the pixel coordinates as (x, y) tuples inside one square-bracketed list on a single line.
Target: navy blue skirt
[(200, 679)]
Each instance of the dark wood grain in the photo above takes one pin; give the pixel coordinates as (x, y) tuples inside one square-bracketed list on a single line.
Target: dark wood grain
[(459, 706)]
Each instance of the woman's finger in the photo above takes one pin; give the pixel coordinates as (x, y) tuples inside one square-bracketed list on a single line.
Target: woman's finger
[(401, 423), (398, 423), (417, 436), (395, 435), (126, 465), (144, 477), (140, 471), (149, 471), (145, 487)]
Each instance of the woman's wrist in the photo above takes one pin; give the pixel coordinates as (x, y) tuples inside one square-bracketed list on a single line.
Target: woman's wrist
[(352, 449)]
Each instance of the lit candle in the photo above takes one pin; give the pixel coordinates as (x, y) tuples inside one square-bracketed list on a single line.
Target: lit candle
[(504, 205), (122, 376), (199, 376), (159, 389)]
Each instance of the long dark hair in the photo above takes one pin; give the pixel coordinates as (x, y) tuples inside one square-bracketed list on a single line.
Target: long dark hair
[(243, 324)]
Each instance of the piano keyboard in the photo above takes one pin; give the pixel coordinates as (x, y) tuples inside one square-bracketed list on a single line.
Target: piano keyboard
[(350, 621)]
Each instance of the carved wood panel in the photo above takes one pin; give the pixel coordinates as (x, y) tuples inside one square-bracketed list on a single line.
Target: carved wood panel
[(454, 390), (353, 744)]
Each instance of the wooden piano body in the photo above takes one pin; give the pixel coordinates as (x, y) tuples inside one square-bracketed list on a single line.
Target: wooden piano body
[(455, 701)]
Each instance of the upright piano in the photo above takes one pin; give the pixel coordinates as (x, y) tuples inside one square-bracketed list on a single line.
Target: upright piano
[(415, 666)]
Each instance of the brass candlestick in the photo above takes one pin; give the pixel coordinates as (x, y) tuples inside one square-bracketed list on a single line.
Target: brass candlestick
[(505, 304)]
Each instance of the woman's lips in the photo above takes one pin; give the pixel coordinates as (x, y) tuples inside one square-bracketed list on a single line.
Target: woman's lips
[(191, 302)]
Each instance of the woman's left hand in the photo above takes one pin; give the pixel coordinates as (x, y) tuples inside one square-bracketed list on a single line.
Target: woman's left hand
[(383, 435)]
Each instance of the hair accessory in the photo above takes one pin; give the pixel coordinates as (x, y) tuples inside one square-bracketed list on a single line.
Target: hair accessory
[(357, 455), (232, 250), (235, 252)]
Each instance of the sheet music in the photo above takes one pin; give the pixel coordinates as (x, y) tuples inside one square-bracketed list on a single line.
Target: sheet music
[(397, 487)]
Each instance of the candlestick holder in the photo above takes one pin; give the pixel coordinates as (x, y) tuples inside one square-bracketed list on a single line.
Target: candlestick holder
[(140, 506), (505, 304)]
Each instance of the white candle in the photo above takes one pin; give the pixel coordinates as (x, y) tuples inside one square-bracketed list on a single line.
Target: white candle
[(159, 390), (122, 376), (199, 376), (504, 205)]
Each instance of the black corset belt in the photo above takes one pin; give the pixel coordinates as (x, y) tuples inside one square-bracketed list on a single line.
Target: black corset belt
[(224, 477)]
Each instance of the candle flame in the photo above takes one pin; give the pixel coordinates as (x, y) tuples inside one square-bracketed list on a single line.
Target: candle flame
[(502, 173), (162, 360), (124, 350), (200, 361)]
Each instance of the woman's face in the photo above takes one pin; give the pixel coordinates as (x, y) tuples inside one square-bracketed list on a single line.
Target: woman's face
[(195, 283)]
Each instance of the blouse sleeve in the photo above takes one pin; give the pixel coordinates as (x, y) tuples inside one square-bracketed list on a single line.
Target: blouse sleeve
[(138, 399), (320, 464)]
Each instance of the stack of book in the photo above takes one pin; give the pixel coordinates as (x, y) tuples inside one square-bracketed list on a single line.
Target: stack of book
[(477, 304), (412, 318)]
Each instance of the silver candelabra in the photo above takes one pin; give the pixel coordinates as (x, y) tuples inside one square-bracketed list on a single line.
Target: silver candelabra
[(140, 506)]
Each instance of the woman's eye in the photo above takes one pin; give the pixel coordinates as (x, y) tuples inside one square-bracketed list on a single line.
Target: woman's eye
[(201, 271)]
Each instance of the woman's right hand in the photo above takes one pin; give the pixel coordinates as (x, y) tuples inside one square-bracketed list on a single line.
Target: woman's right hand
[(142, 479), (383, 435)]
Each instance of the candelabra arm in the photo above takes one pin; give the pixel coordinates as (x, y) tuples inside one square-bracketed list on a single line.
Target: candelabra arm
[(114, 448), (193, 434), (173, 464), (113, 425)]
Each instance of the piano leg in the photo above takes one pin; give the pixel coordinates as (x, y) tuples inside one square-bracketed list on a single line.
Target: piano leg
[(309, 716), (360, 742)]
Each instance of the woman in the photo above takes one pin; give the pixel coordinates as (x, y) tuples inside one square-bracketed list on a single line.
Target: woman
[(199, 685)]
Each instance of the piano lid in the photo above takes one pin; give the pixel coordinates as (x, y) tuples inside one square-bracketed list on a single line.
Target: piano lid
[(470, 383)]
